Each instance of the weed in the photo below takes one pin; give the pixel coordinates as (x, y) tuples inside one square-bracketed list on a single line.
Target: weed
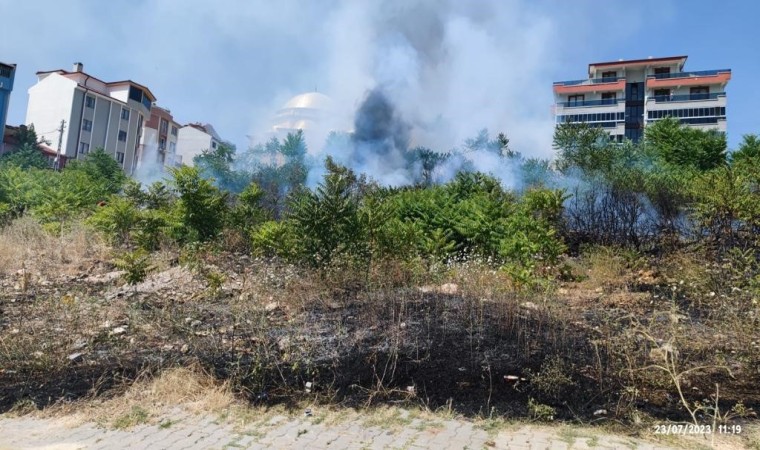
[(135, 264), (541, 412), (136, 416)]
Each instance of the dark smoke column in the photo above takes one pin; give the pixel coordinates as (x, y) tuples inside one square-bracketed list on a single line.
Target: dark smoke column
[(380, 139)]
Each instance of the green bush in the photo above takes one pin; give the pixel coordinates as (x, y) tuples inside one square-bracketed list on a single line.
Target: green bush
[(327, 219), (276, 239), (116, 219), (203, 206), (136, 266)]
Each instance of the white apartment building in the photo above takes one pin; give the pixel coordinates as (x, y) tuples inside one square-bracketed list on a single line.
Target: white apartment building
[(193, 140), (623, 96), (95, 114), (159, 138)]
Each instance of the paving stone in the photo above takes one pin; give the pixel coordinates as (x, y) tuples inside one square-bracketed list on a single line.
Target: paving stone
[(286, 433)]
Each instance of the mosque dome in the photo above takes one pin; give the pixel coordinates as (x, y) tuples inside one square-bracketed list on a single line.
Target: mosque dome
[(303, 112)]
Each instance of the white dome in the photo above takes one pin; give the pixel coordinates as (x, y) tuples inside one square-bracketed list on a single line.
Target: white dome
[(310, 100), (303, 112)]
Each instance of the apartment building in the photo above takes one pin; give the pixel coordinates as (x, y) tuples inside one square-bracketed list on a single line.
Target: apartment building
[(623, 96), (85, 113), (159, 138), (193, 140), (7, 74)]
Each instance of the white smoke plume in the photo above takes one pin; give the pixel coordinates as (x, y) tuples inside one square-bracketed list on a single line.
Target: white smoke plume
[(423, 73), (449, 68)]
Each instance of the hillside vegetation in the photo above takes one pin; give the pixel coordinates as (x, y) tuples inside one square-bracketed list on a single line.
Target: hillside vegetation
[(618, 282)]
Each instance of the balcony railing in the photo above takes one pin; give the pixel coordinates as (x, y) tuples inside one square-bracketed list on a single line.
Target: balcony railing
[(686, 97), (588, 81), (701, 73), (602, 102)]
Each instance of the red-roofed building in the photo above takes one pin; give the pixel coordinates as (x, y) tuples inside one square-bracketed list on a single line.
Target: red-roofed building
[(11, 143), (623, 96), (94, 113), (159, 139)]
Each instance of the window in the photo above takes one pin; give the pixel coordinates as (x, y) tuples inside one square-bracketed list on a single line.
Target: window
[(213, 144), (662, 93), (135, 94), (661, 72), (174, 130), (164, 128), (124, 114), (120, 157), (609, 98), (172, 147), (84, 148), (572, 100), (87, 125), (162, 143), (122, 136), (5, 71), (699, 93), (610, 74), (89, 101)]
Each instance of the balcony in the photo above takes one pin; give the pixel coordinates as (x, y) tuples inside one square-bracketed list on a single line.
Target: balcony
[(603, 102), (590, 85), (686, 97), (588, 81), (720, 76), (702, 73)]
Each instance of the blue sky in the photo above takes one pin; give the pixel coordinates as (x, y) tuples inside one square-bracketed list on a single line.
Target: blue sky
[(469, 65)]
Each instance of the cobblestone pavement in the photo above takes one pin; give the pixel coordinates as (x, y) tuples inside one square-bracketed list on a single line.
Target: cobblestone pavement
[(281, 432)]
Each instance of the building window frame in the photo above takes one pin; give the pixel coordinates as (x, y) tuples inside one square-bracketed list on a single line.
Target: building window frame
[(120, 157), (84, 148), (89, 101), (662, 71), (572, 100), (86, 125), (175, 130), (124, 114), (699, 92), (122, 136)]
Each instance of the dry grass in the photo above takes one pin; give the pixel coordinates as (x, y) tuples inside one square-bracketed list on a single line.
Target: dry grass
[(173, 392), (26, 241), (604, 268)]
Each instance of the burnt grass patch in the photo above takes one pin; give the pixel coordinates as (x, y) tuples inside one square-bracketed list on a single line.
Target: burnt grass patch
[(475, 353)]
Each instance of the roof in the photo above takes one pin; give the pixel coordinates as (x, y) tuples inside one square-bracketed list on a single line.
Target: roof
[(113, 83), (206, 128), (634, 61), (147, 91), (638, 62)]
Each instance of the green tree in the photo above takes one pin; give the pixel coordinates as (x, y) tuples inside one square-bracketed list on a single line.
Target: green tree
[(327, 219), (248, 213), (27, 153), (669, 141), (749, 149), (103, 171), (217, 164), (203, 205), (582, 147)]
